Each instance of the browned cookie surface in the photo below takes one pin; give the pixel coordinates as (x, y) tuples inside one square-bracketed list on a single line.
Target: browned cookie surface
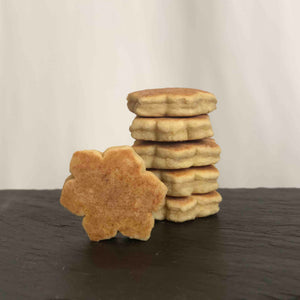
[(114, 192)]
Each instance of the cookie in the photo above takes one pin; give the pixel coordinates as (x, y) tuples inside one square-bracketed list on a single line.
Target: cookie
[(171, 102), (178, 155), (114, 192), (189, 208), (184, 182), (171, 129)]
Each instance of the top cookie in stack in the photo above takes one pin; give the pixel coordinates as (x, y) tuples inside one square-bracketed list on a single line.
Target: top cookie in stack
[(171, 102), (173, 132)]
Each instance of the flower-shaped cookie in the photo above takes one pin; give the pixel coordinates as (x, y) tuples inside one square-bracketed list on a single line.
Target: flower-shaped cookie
[(114, 192)]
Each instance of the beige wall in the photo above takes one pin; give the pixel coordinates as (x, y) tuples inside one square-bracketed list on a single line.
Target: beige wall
[(67, 66)]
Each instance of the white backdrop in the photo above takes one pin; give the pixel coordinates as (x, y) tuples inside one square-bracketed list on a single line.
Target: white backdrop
[(66, 68)]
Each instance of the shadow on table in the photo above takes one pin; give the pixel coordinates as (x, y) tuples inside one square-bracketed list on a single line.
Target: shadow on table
[(180, 258)]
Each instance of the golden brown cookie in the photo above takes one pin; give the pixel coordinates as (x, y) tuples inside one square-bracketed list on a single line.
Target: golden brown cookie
[(189, 208), (171, 102), (178, 155), (184, 182), (171, 129), (114, 192)]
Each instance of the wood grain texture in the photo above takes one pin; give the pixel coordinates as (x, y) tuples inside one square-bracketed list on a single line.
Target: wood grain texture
[(250, 250)]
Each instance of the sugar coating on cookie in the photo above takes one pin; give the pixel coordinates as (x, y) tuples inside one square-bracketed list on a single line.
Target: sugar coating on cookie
[(171, 102), (114, 192), (171, 129), (189, 208)]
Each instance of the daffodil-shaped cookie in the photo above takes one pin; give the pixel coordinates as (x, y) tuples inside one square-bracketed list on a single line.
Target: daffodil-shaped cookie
[(114, 192)]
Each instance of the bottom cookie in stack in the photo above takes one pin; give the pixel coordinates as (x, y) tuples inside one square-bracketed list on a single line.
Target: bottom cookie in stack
[(191, 193), (188, 208)]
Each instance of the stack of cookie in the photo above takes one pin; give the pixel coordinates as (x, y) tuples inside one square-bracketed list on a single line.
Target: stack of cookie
[(173, 136)]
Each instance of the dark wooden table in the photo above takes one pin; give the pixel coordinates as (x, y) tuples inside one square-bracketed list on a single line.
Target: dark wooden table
[(250, 250)]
